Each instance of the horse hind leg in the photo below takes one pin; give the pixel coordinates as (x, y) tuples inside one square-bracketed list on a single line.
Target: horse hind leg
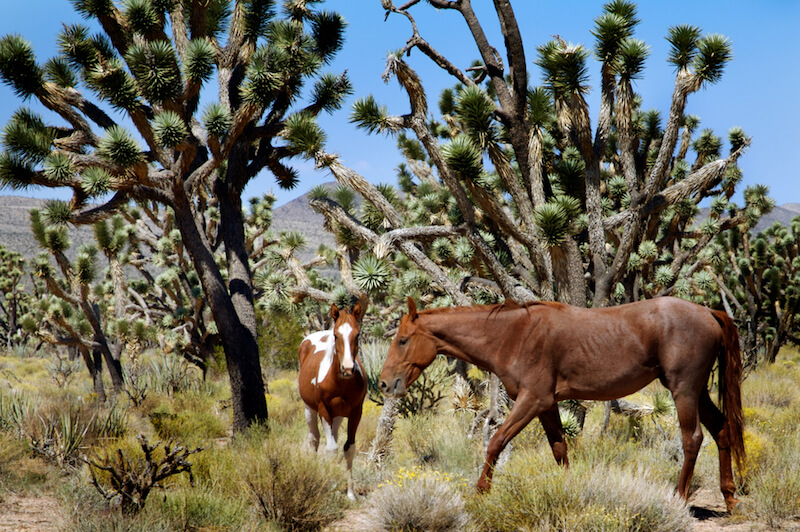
[(692, 436), (551, 423), (313, 428), (715, 422)]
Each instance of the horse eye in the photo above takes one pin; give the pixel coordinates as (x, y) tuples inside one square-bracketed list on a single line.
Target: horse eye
[(402, 341)]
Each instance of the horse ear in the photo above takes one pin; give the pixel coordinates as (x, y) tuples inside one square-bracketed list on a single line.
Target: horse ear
[(358, 311), (412, 308), (334, 311)]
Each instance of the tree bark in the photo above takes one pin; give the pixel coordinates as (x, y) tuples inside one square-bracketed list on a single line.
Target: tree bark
[(238, 337)]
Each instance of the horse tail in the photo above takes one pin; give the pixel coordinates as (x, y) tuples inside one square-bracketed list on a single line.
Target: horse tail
[(730, 378)]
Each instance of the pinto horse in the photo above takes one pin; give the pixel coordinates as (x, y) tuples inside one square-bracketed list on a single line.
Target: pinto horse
[(332, 383), (547, 352)]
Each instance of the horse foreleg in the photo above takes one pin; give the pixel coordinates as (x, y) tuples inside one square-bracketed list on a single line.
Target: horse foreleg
[(692, 436), (331, 433), (715, 422), (313, 428), (551, 423), (350, 449), (521, 414)]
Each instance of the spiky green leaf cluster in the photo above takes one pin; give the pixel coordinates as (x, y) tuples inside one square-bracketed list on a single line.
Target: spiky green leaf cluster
[(58, 70), (27, 137), (155, 69), (683, 44), (199, 63), (370, 116), (553, 222), (142, 16), (303, 134), (328, 32), (119, 147), (565, 69), (330, 92), (96, 181), (464, 157), (18, 66), (169, 129), (371, 273), (217, 120)]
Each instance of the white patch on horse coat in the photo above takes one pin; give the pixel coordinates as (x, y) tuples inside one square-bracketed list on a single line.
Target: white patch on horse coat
[(322, 341)]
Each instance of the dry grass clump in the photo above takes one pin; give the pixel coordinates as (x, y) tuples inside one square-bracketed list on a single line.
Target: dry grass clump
[(533, 494), (417, 500), (771, 481), (290, 486)]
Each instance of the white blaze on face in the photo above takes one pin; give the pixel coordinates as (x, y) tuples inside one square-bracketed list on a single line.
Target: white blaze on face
[(347, 357)]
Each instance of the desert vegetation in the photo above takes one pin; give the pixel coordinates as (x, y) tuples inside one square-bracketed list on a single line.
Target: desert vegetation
[(193, 308), (178, 445)]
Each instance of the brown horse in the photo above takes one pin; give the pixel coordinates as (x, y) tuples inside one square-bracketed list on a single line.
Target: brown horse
[(548, 352), (332, 383)]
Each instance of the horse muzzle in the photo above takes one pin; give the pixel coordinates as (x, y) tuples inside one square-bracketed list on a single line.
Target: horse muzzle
[(394, 388)]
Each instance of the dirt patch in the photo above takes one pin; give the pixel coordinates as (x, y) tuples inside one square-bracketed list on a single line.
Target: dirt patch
[(708, 509), (30, 513)]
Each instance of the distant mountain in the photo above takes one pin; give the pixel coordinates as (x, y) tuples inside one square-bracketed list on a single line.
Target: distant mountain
[(15, 227), (296, 215)]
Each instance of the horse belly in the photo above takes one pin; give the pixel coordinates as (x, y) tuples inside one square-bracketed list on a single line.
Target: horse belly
[(604, 388)]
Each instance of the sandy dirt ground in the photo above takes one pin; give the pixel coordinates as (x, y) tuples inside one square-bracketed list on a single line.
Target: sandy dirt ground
[(30, 514), (43, 514)]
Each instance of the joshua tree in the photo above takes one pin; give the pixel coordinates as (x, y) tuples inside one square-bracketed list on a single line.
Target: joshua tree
[(757, 280), (587, 215), (514, 190), (13, 296), (151, 63), (73, 305)]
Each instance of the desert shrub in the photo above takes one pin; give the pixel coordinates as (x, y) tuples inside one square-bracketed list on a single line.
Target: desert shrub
[(283, 402), (57, 433), (428, 390), (17, 469), (772, 476), (774, 491), (203, 508), (279, 336), (110, 422), (189, 417), (417, 500), (15, 409), (62, 369), (291, 487), (531, 493), (439, 442), (129, 474), (373, 354), (171, 374)]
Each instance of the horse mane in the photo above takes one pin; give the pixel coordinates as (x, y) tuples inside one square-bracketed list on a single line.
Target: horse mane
[(508, 305)]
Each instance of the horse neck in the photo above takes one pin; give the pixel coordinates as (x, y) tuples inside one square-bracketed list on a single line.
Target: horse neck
[(455, 335)]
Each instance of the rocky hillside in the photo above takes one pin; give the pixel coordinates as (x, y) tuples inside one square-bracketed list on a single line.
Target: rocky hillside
[(296, 215)]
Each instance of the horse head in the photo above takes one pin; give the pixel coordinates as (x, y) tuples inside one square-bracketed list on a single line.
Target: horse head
[(345, 334), (413, 349)]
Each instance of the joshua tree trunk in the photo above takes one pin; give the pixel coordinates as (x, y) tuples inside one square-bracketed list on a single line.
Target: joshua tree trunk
[(382, 443)]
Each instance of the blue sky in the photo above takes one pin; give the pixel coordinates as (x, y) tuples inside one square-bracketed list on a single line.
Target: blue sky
[(758, 91)]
